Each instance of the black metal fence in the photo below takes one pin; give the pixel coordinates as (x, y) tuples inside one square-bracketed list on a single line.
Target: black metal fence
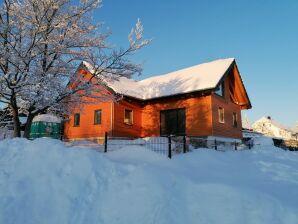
[(168, 145), (172, 145)]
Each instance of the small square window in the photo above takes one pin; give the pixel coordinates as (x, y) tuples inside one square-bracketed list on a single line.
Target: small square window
[(128, 116), (221, 115), (76, 120), (235, 124), (97, 117), (220, 89)]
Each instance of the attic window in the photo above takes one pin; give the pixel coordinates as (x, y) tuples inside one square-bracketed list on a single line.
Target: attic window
[(220, 89)]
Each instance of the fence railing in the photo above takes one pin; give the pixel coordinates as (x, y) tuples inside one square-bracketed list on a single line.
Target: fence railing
[(171, 145), (167, 145)]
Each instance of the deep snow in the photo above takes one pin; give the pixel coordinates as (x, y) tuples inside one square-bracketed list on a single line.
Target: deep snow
[(42, 181)]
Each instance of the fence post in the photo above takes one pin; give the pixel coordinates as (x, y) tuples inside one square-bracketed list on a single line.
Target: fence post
[(184, 144), (215, 144), (235, 145), (170, 147), (106, 142)]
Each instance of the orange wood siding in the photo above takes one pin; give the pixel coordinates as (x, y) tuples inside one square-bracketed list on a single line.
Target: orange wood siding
[(126, 130), (201, 114), (198, 115), (225, 129), (240, 92), (87, 128)]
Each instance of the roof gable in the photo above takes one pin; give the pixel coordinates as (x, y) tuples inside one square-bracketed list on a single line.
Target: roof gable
[(196, 78), (237, 91)]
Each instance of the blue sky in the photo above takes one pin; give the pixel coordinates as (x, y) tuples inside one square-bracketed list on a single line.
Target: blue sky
[(262, 35)]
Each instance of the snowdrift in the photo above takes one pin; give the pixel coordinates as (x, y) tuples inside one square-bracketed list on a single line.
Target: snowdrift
[(43, 181)]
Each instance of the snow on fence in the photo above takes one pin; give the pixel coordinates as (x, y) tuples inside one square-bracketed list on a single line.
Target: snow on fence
[(168, 146)]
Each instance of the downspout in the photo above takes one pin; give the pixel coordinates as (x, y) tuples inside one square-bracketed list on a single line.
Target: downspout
[(112, 118)]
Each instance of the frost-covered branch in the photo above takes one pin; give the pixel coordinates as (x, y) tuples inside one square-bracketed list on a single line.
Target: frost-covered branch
[(42, 44)]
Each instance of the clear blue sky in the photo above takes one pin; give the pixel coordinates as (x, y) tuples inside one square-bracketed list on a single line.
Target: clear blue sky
[(262, 36)]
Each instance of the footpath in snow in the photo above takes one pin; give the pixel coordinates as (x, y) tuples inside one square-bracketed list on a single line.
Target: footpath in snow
[(43, 181)]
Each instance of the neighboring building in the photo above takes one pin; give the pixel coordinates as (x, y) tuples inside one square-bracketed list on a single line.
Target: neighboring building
[(247, 130), (296, 128), (246, 125), (6, 120), (271, 128), (295, 132), (204, 100)]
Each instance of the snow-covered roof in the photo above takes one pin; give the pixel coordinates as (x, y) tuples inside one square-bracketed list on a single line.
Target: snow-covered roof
[(47, 118), (272, 122), (246, 123), (196, 78)]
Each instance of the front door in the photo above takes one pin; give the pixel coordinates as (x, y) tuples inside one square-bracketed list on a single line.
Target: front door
[(172, 122)]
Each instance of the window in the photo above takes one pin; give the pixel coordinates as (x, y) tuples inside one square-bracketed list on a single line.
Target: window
[(128, 117), (235, 119), (76, 120), (221, 115), (220, 89), (97, 117), (172, 122)]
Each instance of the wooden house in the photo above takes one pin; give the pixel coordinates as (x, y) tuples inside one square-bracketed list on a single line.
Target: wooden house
[(200, 101)]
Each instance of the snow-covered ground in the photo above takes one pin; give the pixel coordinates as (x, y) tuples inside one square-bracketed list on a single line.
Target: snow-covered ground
[(42, 181)]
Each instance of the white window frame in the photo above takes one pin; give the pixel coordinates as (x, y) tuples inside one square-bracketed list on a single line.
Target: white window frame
[(221, 109), (131, 117)]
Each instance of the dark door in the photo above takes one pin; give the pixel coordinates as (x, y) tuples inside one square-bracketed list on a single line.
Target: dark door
[(172, 122)]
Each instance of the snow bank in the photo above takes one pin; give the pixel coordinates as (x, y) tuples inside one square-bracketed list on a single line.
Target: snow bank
[(42, 181), (263, 141)]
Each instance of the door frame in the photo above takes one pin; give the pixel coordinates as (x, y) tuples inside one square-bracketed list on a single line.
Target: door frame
[(174, 109)]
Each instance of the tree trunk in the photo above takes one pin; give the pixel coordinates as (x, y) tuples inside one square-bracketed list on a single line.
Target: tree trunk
[(16, 121), (28, 125)]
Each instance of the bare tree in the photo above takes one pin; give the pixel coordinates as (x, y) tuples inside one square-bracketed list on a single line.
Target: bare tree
[(42, 44)]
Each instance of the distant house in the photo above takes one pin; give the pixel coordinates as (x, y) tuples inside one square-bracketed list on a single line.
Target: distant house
[(271, 128), (204, 100), (247, 130), (6, 120)]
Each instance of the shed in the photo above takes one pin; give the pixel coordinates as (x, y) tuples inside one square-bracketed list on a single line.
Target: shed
[(46, 125)]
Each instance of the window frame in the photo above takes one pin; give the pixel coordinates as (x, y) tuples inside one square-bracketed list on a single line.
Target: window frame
[(94, 118), (221, 87), (131, 116), (180, 122), (76, 120), (221, 109)]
